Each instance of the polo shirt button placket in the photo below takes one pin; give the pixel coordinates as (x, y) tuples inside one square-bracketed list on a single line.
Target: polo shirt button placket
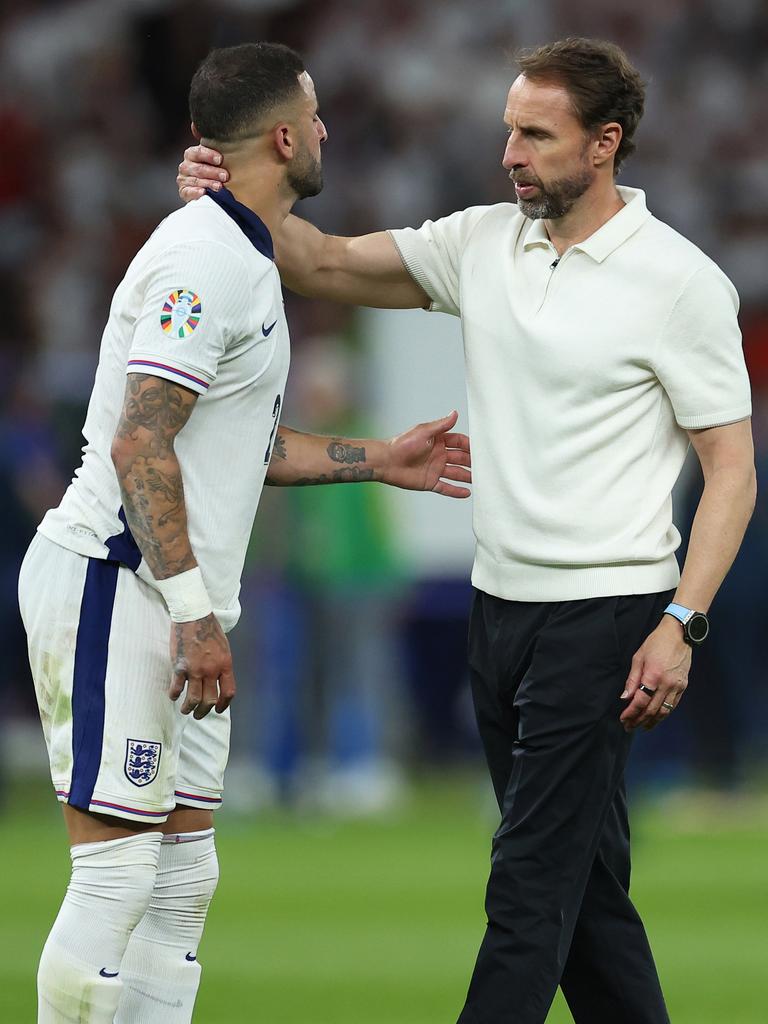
[(552, 268)]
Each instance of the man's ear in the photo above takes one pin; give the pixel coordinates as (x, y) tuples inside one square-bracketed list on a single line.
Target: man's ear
[(283, 137), (195, 132), (607, 138)]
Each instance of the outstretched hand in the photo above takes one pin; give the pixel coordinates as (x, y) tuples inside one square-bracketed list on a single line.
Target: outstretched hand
[(200, 169), (428, 456)]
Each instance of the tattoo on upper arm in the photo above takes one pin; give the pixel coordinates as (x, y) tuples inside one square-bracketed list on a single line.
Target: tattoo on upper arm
[(150, 479), (156, 405), (342, 451)]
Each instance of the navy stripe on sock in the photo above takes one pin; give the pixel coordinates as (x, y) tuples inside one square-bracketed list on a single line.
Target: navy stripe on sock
[(89, 677)]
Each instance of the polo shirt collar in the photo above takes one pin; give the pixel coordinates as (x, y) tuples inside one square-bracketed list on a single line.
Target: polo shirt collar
[(252, 226), (611, 235)]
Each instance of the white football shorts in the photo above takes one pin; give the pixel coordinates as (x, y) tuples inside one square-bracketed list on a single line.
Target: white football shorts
[(98, 641)]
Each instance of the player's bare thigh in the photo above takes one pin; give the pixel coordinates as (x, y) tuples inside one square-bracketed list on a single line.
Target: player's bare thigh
[(86, 827)]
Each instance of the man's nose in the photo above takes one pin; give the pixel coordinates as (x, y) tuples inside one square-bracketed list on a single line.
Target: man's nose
[(322, 131), (513, 155)]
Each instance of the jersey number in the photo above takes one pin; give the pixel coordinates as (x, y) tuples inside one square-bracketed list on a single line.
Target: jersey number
[(276, 418)]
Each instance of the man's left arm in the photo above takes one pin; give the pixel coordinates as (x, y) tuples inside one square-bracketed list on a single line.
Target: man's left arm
[(727, 460), (428, 457)]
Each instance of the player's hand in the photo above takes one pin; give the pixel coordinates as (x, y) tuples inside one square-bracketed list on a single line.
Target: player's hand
[(200, 169), (203, 662), (427, 457), (661, 664)]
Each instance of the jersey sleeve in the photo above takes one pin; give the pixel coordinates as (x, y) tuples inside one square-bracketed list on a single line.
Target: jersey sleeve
[(700, 361), (194, 306), (432, 255)]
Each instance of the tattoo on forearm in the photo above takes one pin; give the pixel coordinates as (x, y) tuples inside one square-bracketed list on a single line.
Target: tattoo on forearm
[(339, 476), (342, 451), (278, 448), (150, 479)]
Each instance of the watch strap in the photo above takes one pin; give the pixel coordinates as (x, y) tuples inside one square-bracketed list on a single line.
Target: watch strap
[(679, 612)]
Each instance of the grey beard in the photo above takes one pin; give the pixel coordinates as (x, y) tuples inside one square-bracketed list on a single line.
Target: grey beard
[(556, 202)]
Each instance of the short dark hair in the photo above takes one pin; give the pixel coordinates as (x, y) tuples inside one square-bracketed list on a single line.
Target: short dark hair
[(235, 87), (602, 83)]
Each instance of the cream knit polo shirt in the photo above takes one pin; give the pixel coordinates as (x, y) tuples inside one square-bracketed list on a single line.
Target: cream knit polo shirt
[(583, 375)]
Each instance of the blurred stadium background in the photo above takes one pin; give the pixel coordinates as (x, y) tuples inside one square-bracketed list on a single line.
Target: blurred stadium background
[(355, 835)]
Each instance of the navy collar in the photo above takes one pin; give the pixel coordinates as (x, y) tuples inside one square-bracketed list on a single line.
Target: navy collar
[(252, 226)]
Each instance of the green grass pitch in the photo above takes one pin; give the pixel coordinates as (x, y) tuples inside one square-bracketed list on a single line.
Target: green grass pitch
[(378, 922)]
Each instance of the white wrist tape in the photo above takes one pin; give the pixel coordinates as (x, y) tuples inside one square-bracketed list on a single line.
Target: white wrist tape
[(186, 596)]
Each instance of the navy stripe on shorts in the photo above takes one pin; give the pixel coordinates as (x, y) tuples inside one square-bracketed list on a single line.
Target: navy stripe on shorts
[(91, 652)]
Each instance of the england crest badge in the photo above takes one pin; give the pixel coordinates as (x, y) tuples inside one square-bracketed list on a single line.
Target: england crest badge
[(142, 759)]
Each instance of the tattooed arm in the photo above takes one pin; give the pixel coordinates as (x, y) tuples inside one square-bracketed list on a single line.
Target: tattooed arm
[(148, 471), (421, 459), (154, 411)]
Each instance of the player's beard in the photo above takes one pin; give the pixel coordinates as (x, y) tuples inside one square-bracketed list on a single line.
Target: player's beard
[(557, 198), (305, 176)]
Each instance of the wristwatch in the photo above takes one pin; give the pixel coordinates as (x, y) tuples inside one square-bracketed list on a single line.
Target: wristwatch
[(695, 624)]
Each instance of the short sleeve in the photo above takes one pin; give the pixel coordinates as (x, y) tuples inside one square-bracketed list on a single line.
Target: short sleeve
[(432, 255), (699, 360), (195, 304)]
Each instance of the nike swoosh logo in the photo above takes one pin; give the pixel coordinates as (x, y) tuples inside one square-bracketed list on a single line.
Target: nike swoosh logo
[(191, 957), (266, 331), (108, 974)]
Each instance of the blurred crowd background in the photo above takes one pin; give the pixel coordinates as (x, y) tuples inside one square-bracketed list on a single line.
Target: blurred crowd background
[(350, 652)]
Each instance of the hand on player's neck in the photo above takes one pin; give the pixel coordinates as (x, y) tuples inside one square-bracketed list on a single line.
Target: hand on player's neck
[(257, 179)]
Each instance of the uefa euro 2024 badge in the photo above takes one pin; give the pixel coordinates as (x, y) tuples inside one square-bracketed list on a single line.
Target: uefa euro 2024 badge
[(142, 759), (181, 313)]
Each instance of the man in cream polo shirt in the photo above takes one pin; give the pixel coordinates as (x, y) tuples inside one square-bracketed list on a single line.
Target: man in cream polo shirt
[(600, 344)]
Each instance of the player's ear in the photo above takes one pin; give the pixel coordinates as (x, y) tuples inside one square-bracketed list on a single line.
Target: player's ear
[(195, 132), (283, 138)]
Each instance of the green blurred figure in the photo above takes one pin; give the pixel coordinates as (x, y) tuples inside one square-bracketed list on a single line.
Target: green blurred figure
[(345, 569)]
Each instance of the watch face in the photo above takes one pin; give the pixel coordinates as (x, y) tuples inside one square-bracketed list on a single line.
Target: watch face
[(698, 628)]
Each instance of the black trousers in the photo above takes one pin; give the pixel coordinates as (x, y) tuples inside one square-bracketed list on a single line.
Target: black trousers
[(546, 680)]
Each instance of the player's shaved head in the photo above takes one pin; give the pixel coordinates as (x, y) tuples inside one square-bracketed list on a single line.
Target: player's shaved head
[(237, 88)]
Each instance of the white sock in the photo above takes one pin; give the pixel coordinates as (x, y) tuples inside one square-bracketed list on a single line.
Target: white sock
[(160, 971), (78, 978)]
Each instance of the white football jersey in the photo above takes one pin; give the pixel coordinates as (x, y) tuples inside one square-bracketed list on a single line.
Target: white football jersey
[(201, 305)]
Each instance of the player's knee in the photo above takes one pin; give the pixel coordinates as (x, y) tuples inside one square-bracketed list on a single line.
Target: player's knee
[(187, 877), (119, 873), (108, 894)]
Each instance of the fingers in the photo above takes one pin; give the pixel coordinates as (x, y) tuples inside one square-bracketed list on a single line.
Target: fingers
[(194, 694), (653, 700), (634, 677), (444, 423), (202, 154), (196, 173), (660, 707), (456, 457), (457, 473), (631, 716), (227, 689), (457, 441), (194, 188), (177, 683), (204, 693), (640, 680), (209, 697), (450, 491)]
